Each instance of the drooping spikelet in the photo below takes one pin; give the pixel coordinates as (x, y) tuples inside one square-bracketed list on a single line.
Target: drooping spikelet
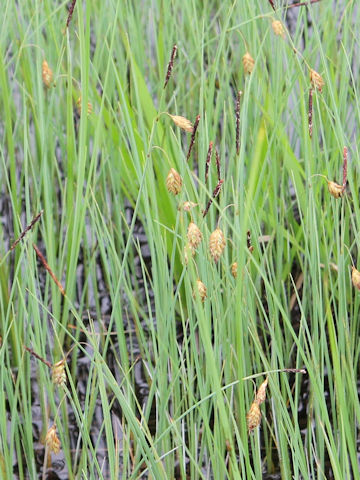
[(58, 373), (278, 28), (200, 290), (253, 417), (47, 74), (355, 277), (173, 182), (194, 235), (248, 63), (261, 393), (335, 189), (78, 106), (187, 206), (316, 80), (52, 440), (217, 244), (182, 123), (234, 269)]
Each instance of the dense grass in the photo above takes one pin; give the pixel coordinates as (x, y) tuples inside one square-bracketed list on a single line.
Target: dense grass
[(292, 304)]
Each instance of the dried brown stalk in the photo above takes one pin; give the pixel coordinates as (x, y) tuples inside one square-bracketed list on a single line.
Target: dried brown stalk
[(27, 228), (48, 364), (214, 195), (71, 11), (217, 157), (48, 269), (192, 141), (302, 4), (310, 112), (208, 160), (170, 65), (237, 115)]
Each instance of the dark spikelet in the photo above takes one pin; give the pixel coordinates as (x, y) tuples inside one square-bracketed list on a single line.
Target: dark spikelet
[(48, 269), (29, 227), (208, 160), (237, 116), (170, 65), (192, 141), (302, 4), (310, 112), (248, 241), (217, 157), (70, 14), (48, 364), (214, 195), (345, 154), (272, 4)]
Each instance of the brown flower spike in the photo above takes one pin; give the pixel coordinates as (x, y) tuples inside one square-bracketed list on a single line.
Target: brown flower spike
[(200, 290), (58, 373), (253, 418), (217, 244), (47, 74), (173, 182), (182, 123), (52, 440), (316, 80), (355, 278), (278, 28), (248, 63), (194, 235), (234, 269), (261, 393)]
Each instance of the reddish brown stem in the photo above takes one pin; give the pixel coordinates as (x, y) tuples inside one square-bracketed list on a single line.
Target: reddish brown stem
[(48, 269), (170, 65), (208, 160), (48, 364), (237, 116), (192, 141), (71, 11), (214, 195), (27, 228), (310, 113), (345, 154), (302, 4)]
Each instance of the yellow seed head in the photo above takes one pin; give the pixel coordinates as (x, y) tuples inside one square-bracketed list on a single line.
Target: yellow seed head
[(316, 80), (253, 417), (182, 123), (58, 373), (355, 277), (78, 106), (173, 182), (194, 235), (187, 206), (217, 244), (248, 63), (47, 74), (261, 393), (335, 189), (52, 440), (189, 252), (278, 28), (234, 268), (200, 290)]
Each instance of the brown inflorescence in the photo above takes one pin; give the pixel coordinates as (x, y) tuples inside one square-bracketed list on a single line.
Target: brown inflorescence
[(52, 440), (217, 244), (182, 123), (234, 269), (192, 140), (278, 28), (253, 417), (355, 278), (173, 182), (316, 80), (200, 290), (248, 63), (78, 106), (47, 74), (58, 373), (194, 235), (261, 393), (170, 65)]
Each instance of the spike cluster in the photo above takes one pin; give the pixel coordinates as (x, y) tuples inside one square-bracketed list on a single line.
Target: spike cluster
[(174, 182), (217, 244), (253, 417), (78, 106), (278, 28), (47, 74), (200, 290), (248, 63), (316, 80), (182, 123), (52, 440)]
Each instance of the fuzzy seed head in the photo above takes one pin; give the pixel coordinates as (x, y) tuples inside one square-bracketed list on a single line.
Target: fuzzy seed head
[(261, 393), (52, 440), (253, 417), (278, 28), (217, 244), (182, 123), (173, 182), (316, 80), (335, 189), (355, 277), (234, 269), (47, 74), (58, 373), (248, 63), (194, 235), (187, 206), (78, 106), (200, 290)]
